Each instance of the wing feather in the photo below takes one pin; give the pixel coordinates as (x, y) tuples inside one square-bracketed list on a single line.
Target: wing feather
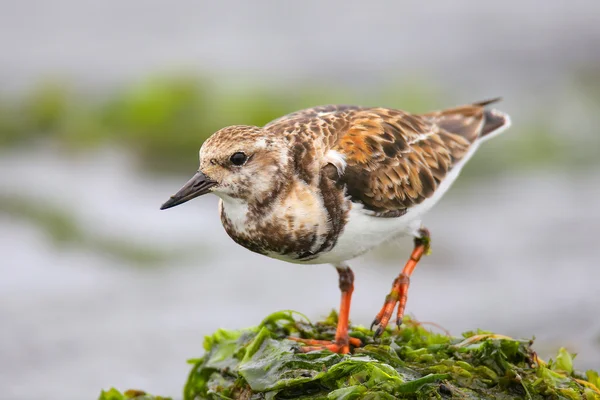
[(396, 160), (393, 159)]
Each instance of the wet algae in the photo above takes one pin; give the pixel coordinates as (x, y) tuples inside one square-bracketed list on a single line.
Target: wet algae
[(413, 363)]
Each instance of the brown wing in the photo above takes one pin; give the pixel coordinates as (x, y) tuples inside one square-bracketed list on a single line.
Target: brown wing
[(396, 160)]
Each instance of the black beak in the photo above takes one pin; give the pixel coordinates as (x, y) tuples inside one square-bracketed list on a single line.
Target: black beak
[(197, 186)]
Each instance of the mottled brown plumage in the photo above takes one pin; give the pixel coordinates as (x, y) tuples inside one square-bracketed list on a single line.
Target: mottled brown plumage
[(326, 184), (394, 159)]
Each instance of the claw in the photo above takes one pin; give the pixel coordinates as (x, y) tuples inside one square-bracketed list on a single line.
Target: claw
[(376, 321)]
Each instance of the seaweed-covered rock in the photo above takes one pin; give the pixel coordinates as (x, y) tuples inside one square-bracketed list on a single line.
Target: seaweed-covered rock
[(261, 363)]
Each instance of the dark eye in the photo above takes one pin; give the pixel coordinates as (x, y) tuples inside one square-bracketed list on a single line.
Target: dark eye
[(238, 158)]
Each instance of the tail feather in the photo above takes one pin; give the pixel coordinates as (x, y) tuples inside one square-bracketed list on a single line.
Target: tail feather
[(473, 121), (487, 102), (494, 123)]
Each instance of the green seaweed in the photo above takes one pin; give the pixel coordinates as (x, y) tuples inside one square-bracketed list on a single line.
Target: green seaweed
[(114, 394), (412, 363)]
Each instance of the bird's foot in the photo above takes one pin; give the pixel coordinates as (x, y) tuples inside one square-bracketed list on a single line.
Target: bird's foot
[(336, 346), (397, 295)]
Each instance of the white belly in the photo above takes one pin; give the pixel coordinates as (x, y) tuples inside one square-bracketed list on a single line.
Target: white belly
[(363, 232)]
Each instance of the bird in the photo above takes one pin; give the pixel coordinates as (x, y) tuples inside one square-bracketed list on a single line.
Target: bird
[(327, 184)]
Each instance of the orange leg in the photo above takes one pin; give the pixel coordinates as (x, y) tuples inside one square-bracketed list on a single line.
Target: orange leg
[(399, 293), (342, 341)]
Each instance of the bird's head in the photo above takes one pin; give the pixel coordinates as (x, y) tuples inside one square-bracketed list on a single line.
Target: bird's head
[(239, 161)]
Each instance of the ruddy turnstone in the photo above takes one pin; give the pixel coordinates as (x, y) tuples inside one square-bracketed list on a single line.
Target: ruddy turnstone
[(327, 184)]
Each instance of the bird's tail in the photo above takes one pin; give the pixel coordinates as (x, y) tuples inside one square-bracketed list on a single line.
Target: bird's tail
[(466, 120), (495, 121)]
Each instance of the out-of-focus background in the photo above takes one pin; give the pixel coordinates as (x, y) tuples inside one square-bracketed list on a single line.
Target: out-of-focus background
[(104, 105)]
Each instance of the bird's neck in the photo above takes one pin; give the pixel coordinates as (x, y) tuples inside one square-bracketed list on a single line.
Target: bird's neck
[(234, 210), (240, 216)]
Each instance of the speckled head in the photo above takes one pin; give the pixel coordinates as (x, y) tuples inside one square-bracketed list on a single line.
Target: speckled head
[(242, 162)]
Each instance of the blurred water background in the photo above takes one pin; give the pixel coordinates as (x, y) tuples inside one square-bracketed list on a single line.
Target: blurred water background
[(103, 106)]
